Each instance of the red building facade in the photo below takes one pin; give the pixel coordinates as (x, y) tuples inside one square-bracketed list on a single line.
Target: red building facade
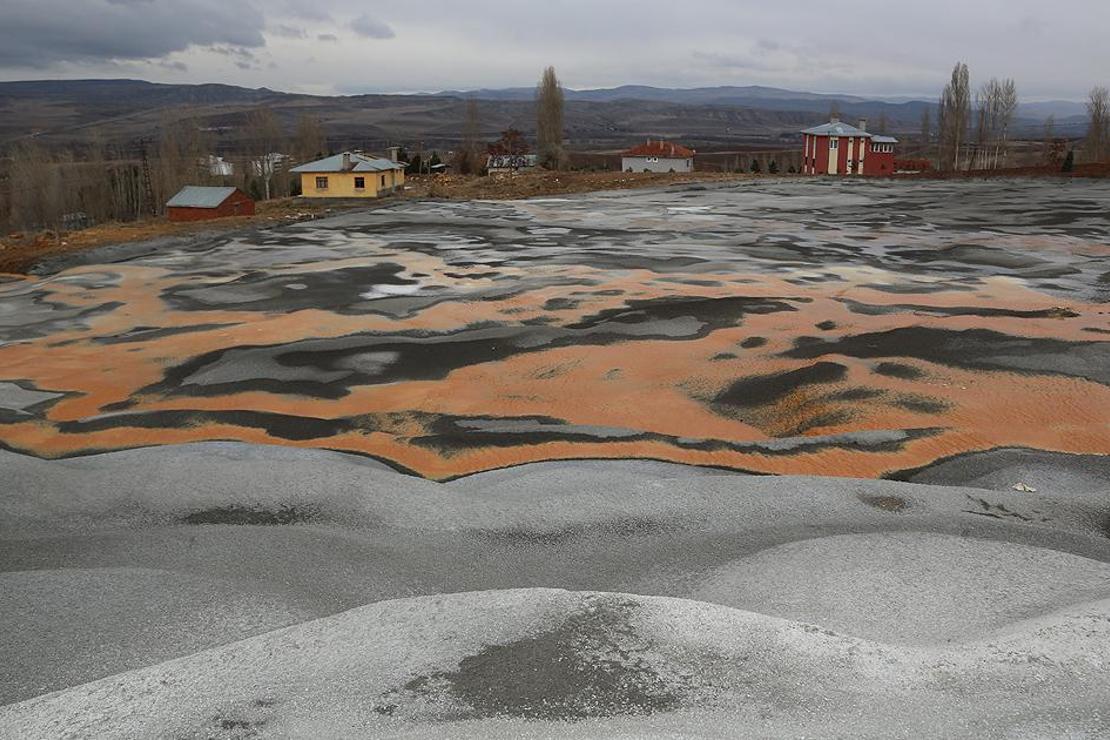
[(837, 148)]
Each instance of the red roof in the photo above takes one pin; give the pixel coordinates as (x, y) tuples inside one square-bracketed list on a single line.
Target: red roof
[(660, 149)]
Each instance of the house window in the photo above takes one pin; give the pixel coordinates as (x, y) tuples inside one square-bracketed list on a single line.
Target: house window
[(383, 181), (360, 183), (321, 183), (834, 143)]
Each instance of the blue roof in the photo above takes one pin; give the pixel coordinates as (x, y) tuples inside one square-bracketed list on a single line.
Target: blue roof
[(358, 163), (199, 196)]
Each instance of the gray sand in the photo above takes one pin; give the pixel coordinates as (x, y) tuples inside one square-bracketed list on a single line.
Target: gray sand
[(623, 664), (691, 601)]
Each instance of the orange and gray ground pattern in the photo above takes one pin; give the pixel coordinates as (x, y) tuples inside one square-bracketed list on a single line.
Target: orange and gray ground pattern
[(831, 328)]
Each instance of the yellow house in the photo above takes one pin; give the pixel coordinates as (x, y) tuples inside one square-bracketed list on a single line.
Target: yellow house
[(350, 175)]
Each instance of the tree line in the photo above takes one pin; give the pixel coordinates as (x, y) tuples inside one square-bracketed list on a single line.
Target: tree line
[(99, 182), (471, 157), (973, 129)]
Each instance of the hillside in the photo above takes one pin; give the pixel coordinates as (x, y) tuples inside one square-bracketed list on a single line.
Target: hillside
[(124, 112)]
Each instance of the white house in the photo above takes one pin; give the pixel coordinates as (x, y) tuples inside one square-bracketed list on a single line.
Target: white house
[(658, 156)]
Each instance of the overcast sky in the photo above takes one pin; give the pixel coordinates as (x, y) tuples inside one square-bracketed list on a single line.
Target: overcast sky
[(883, 47)]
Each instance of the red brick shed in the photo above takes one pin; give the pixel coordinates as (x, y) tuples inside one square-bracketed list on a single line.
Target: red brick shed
[(198, 203)]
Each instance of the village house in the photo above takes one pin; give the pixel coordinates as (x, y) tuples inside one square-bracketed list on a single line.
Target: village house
[(350, 175), (658, 156), (200, 203), (837, 148), (500, 164), (217, 166)]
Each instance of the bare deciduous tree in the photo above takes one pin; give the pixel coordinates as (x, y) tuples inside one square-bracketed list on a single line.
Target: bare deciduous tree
[(955, 114), (926, 132), (1098, 127), (834, 110), (1048, 151), (469, 159), (996, 102), (310, 140), (31, 205), (550, 103), (264, 140), (512, 142)]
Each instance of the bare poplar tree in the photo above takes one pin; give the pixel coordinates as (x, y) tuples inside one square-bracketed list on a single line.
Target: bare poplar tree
[(1098, 127), (834, 110), (310, 140), (955, 105), (926, 132), (884, 124), (1006, 103), (30, 165), (1048, 151), (263, 141), (550, 103), (985, 103), (171, 170), (469, 160)]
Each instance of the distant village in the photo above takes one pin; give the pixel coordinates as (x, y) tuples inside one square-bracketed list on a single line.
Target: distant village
[(835, 148), (180, 176)]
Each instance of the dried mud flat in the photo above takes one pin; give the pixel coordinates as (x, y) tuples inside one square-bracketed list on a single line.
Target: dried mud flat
[(188, 548)]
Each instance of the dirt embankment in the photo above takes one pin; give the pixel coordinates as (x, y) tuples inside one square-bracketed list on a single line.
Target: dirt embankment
[(21, 251), (1095, 169)]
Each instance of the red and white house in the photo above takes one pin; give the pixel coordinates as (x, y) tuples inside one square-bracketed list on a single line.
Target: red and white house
[(837, 148)]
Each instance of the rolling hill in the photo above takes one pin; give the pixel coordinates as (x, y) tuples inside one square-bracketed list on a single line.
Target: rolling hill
[(125, 112)]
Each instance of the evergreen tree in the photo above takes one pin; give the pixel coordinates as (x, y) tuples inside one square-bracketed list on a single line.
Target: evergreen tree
[(773, 168), (755, 167)]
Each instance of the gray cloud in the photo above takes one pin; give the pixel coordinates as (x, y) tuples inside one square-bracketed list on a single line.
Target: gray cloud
[(174, 66), (288, 32), (372, 28), (39, 33), (888, 47)]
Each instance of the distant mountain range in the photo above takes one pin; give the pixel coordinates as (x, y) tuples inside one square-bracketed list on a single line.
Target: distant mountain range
[(774, 98), (130, 111)]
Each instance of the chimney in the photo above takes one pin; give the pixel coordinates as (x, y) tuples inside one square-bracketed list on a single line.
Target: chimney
[(346, 161), (834, 119), (394, 153), (863, 125)]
